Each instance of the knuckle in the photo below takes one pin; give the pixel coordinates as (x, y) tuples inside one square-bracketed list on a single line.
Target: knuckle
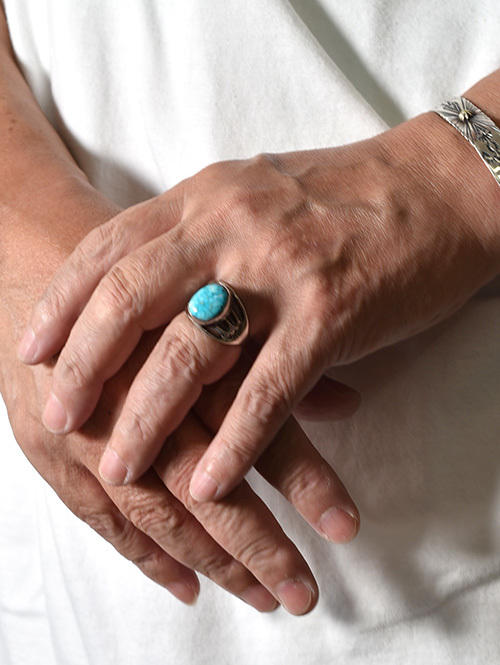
[(73, 369), (178, 460), (94, 248), (277, 192), (138, 427), (118, 294), (220, 568), (158, 518), (109, 525), (275, 161), (260, 409), (303, 483), (217, 173), (263, 554), (262, 160), (151, 563), (319, 287), (319, 299), (178, 479), (240, 454), (181, 357), (266, 401), (54, 300)]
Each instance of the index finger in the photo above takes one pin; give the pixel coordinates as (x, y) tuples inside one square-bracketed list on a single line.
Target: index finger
[(72, 285)]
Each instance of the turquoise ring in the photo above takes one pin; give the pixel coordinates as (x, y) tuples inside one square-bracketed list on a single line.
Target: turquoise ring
[(219, 313)]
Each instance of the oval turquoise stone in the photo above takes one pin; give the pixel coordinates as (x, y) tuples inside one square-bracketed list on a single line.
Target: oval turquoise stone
[(208, 302)]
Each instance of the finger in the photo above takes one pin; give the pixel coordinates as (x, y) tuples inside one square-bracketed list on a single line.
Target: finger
[(291, 463), (141, 292), (146, 523), (275, 384), (141, 550), (71, 287), (85, 497), (241, 523), (297, 470), (168, 384), (155, 512)]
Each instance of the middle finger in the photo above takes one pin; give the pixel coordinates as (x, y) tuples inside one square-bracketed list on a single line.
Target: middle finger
[(184, 358)]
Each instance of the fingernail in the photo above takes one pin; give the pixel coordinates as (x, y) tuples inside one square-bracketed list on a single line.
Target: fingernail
[(203, 487), (295, 596), (183, 592), (338, 525), (259, 597), (28, 347), (54, 415), (112, 468)]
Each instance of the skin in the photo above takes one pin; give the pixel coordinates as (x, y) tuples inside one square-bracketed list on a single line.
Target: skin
[(351, 249), (46, 207)]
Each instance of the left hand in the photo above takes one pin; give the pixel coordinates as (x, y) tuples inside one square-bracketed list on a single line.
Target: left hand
[(335, 253)]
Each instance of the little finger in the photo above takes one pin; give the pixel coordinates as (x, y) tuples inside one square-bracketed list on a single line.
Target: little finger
[(297, 470)]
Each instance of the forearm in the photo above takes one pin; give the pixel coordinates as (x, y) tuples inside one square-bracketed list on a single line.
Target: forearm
[(33, 155), (46, 202)]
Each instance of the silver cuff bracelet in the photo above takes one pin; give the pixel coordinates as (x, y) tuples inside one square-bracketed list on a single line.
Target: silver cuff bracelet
[(477, 128)]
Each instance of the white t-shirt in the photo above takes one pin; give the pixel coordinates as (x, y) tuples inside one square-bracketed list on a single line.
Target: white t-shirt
[(146, 93)]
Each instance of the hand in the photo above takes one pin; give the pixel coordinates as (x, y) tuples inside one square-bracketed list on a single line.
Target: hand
[(335, 254), (157, 527), (150, 525)]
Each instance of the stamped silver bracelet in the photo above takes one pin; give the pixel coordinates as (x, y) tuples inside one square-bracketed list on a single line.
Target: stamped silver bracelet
[(477, 128)]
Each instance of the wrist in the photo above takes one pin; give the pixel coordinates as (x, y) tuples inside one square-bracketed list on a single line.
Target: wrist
[(38, 234), (457, 190)]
